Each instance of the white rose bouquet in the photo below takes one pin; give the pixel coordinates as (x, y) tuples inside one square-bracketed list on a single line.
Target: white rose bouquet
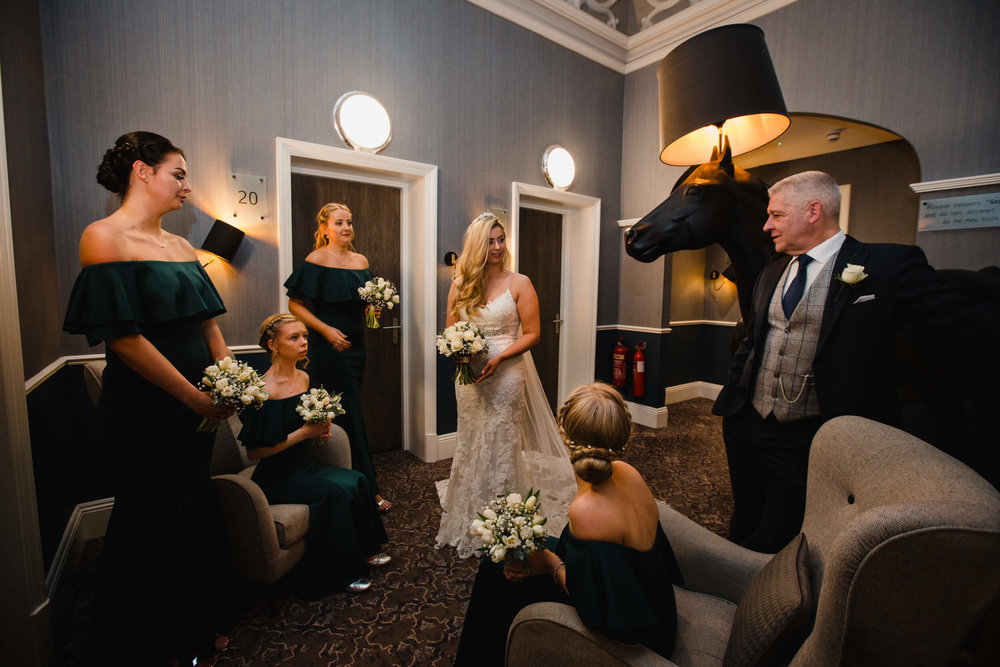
[(379, 293), (319, 405), (232, 383), (465, 340), (511, 527)]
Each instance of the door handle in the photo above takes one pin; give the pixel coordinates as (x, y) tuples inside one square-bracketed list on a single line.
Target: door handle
[(557, 322), (396, 326)]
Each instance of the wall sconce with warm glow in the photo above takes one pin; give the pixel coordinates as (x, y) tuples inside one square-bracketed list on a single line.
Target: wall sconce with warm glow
[(450, 258), (362, 122), (719, 84), (558, 167), (223, 241)]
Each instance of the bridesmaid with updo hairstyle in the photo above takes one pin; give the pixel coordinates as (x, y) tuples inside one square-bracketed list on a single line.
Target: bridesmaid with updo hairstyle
[(323, 292), (143, 293), (345, 528), (612, 562)]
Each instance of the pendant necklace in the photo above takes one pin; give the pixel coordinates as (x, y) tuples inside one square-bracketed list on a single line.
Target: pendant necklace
[(152, 238)]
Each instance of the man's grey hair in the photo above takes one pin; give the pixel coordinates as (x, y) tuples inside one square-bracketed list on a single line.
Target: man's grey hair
[(807, 186)]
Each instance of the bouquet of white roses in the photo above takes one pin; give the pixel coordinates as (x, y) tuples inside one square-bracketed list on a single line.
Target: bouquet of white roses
[(511, 527), (465, 340), (379, 293), (232, 383), (319, 405)]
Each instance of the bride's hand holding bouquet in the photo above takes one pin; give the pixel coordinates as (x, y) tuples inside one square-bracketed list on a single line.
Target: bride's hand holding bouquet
[(464, 340)]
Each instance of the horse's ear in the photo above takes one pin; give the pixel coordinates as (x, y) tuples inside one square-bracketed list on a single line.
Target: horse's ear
[(715, 154), (726, 161)]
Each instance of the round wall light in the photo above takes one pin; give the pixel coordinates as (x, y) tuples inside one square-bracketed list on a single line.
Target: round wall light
[(362, 122), (558, 167)]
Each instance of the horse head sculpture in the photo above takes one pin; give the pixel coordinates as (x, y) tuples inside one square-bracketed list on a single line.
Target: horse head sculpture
[(717, 203)]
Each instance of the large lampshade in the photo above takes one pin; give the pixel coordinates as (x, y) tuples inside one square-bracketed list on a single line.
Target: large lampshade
[(721, 81)]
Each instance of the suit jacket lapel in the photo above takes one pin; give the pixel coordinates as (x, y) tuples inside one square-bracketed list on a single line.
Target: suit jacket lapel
[(837, 299)]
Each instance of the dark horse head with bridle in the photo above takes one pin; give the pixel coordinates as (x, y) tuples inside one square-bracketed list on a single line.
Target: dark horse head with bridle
[(717, 203)]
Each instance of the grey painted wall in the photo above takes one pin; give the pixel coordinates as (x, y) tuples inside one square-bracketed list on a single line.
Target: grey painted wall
[(468, 91), (26, 135)]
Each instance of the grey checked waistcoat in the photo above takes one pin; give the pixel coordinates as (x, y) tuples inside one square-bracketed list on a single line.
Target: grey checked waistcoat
[(784, 383)]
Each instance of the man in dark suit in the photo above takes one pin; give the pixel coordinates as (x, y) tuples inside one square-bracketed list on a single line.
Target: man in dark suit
[(819, 343)]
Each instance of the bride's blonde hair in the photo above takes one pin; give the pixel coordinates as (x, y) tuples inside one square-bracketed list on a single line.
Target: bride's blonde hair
[(470, 270), (595, 425), (321, 236)]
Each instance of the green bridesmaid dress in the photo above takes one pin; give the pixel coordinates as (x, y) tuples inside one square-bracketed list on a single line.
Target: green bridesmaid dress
[(344, 525), (162, 558), (621, 592), (332, 296)]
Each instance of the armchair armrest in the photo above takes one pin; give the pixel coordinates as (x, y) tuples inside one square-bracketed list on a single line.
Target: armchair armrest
[(336, 451), (552, 633), (709, 563), (249, 525)]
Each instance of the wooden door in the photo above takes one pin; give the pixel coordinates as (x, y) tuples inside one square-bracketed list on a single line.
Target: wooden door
[(375, 210), (539, 250)]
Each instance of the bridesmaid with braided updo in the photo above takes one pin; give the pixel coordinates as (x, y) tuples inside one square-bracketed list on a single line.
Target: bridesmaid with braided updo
[(144, 294), (612, 562)]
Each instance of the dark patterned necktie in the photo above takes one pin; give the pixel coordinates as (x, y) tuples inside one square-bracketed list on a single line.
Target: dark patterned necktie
[(794, 292)]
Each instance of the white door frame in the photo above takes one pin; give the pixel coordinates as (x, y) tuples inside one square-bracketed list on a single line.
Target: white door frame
[(581, 236), (418, 184)]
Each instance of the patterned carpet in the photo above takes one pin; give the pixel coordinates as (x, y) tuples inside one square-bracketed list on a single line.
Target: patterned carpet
[(413, 613)]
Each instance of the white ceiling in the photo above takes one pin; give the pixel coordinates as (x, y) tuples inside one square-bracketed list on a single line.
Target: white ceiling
[(809, 135), (578, 31)]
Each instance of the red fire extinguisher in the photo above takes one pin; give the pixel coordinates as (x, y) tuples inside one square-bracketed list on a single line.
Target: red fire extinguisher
[(639, 370), (618, 365)]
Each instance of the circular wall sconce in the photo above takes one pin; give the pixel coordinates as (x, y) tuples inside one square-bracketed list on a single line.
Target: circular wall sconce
[(362, 122), (558, 167), (450, 258)]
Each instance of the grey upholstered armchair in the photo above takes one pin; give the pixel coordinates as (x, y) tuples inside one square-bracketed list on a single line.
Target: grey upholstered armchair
[(266, 541), (899, 565)]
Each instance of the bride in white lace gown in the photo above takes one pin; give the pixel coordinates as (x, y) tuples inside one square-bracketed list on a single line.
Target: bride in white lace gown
[(507, 438)]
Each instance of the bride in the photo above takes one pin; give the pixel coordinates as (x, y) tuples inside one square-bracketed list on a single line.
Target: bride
[(507, 437)]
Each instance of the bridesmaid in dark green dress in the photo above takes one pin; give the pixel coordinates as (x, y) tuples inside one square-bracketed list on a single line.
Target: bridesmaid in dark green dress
[(613, 562), (323, 293), (345, 529), (143, 292)]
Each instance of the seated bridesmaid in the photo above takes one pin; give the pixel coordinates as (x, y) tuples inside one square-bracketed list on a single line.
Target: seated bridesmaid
[(613, 562), (345, 529)]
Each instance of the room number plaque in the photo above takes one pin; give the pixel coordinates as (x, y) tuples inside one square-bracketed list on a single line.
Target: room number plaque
[(247, 194)]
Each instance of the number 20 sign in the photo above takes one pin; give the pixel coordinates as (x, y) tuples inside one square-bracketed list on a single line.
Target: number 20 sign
[(248, 196)]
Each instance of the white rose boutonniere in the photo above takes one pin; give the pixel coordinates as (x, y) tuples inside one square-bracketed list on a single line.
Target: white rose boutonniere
[(851, 276)]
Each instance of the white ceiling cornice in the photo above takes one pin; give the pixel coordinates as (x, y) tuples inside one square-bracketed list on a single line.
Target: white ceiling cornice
[(580, 32)]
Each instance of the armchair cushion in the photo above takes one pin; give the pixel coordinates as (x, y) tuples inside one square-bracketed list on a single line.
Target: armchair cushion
[(291, 523), (772, 616)]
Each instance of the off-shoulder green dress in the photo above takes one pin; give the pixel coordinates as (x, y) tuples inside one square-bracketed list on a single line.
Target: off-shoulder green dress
[(162, 555), (331, 295), (621, 592), (344, 526)]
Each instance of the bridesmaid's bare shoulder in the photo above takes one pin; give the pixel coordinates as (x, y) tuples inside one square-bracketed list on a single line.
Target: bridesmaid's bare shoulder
[(103, 241)]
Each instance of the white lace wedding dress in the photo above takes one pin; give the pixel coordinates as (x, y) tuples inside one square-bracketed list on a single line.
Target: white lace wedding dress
[(507, 438)]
